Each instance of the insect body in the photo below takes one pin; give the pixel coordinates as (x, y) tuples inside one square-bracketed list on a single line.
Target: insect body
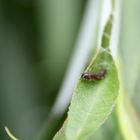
[(94, 76)]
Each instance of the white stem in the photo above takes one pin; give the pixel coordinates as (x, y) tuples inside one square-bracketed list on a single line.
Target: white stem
[(80, 55)]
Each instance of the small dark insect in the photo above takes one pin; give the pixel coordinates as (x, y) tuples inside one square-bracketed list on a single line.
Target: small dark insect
[(94, 76)]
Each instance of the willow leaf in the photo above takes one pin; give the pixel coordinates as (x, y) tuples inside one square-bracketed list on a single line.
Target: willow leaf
[(93, 100)]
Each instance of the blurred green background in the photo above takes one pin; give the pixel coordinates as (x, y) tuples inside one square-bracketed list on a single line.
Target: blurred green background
[(36, 41), (37, 38)]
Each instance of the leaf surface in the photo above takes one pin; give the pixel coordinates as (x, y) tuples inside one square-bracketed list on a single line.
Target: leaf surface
[(93, 100)]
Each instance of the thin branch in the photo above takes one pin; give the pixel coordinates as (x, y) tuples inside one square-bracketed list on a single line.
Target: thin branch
[(10, 134)]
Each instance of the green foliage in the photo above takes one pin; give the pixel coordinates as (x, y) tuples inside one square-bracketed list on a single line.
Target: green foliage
[(93, 99), (37, 40)]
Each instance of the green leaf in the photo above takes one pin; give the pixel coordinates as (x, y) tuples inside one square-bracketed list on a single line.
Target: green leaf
[(110, 130), (60, 135), (93, 100)]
